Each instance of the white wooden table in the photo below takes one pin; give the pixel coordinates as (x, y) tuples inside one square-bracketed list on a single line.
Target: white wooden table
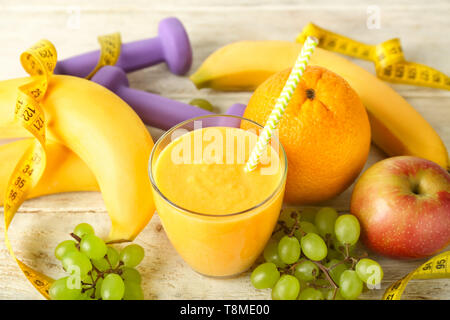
[(423, 27)]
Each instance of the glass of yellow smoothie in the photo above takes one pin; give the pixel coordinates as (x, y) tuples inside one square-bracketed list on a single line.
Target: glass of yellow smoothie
[(217, 216)]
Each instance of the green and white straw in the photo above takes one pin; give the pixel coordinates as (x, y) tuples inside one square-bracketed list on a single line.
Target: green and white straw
[(282, 102)]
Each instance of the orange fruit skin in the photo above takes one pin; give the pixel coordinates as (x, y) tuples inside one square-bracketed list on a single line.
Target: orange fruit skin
[(326, 137)]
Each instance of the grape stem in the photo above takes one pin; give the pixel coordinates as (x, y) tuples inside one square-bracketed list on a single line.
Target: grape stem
[(326, 271), (290, 232), (109, 262), (292, 267), (318, 286), (349, 258), (345, 251), (337, 264), (282, 227), (101, 274), (294, 228), (73, 235)]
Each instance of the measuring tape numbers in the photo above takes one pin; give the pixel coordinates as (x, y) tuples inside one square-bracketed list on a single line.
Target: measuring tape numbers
[(437, 267), (390, 63), (39, 62)]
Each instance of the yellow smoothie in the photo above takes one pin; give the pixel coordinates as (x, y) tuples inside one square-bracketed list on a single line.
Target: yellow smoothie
[(217, 216)]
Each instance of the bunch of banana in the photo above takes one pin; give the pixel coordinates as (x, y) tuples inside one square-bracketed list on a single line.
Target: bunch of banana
[(397, 128), (95, 141), (65, 171)]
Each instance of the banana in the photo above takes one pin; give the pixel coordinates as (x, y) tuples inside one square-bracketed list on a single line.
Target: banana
[(12, 131), (65, 171), (397, 128), (106, 134)]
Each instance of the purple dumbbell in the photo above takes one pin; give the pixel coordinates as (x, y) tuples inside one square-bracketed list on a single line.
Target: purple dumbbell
[(171, 46), (154, 110)]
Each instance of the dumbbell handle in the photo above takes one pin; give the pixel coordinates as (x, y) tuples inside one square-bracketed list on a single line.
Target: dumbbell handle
[(155, 110), (172, 46), (164, 113), (134, 55)]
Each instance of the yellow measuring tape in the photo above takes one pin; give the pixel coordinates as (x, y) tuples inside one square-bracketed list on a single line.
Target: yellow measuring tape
[(390, 63), (109, 51), (39, 62), (436, 268)]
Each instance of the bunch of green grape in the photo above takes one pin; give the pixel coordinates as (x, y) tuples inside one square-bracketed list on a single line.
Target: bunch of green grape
[(97, 271), (311, 257)]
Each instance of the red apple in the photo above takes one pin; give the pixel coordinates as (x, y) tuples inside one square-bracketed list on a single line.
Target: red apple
[(403, 205)]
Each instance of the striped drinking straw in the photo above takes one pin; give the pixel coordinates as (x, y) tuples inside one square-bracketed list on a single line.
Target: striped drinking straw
[(282, 102)]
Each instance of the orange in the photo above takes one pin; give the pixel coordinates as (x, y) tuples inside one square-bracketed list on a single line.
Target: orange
[(325, 131)]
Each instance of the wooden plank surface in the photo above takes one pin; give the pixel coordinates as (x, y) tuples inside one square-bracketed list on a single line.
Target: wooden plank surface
[(41, 223)]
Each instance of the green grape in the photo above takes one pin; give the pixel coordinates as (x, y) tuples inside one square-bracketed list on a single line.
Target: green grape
[(89, 277), (87, 295), (278, 235), (303, 284), (289, 249), (98, 289), (132, 255), (334, 254), (87, 280), (65, 247), (271, 254), (350, 285), (103, 264), (113, 256), (337, 271), (265, 276), (286, 288), (347, 229), (310, 294), (78, 260), (83, 229), (59, 290), (321, 282), (288, 216), (324, 221), (337, 245), (298, 234), (314, 247), (308, 227), (369, 271), (133, 291), (308, 214), (92, 246), (202, 103), (340, 247), (305, 227), (306, 270), (131, 275), (112, 287), (330, 293)]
